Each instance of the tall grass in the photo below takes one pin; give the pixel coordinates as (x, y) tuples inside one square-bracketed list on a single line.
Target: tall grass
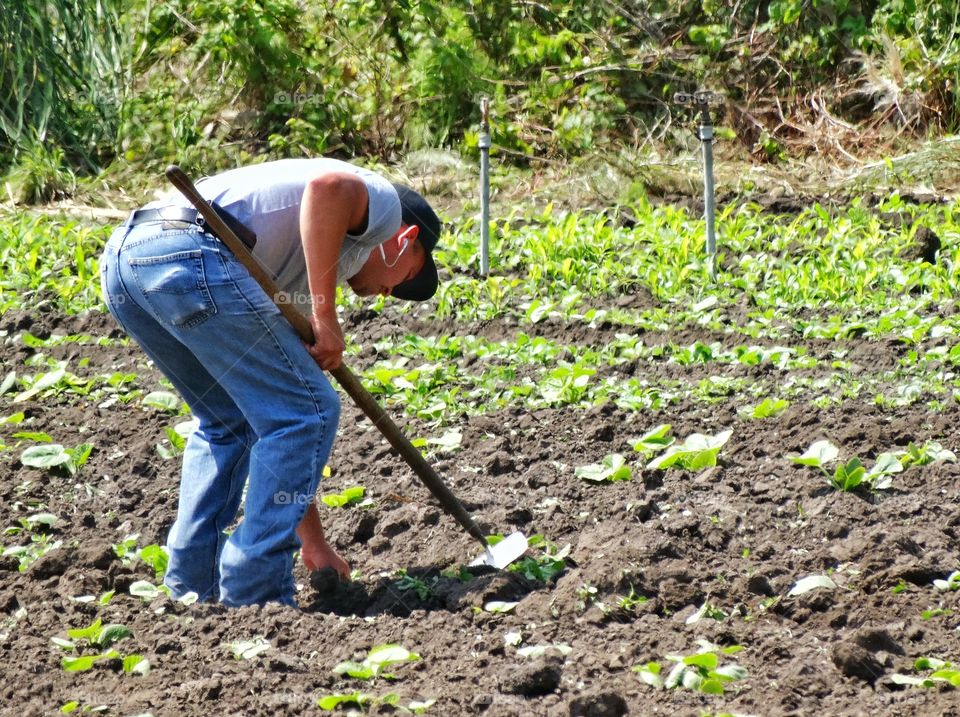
[(62, 79)]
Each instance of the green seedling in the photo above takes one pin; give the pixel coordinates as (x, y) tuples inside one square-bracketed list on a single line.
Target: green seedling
[(851, 475), (52, 383), (126, 549), (630, 601), (818, 455), (363, 701), (41, 543), (696, 453), (935, 612), (153, 555), (900, 587), (700, 672), (164, 401), (461, 573), (248, 649), (408, 583), (535, 651), (147, 591), (942, 673), (951, 584), (74, 705), (545, 567), (767, 408), (499, 606), (54, 456), (929, 452), (708, 611), (378, 659), (177, 444), (95, 643), (157, 558), (612, 469), (848, 476), (350, 496), (449, 442), (7, 383), (31, 523), (654, 440)]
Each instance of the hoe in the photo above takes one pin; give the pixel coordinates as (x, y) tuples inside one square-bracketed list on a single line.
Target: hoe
[(499, 555)]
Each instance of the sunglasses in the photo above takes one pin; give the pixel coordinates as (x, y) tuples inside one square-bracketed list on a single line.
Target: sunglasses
[(404, 240)]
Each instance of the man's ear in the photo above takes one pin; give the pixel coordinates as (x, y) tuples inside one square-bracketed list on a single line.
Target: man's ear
[(412, 232)]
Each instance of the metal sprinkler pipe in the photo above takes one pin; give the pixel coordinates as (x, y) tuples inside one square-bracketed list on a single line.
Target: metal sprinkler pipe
[(709, 202), (484, 144), (701, 102)]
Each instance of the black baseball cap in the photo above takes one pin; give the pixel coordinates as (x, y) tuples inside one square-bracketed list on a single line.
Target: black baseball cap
[(416, 210)]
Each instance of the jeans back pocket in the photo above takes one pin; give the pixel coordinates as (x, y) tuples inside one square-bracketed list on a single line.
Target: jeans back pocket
[(174, 287)]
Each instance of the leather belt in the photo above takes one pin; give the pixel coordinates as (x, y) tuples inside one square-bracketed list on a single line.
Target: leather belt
[(166, 214), (181, 215)]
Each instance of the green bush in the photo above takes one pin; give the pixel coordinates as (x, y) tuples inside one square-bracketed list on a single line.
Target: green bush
[(210, 83)]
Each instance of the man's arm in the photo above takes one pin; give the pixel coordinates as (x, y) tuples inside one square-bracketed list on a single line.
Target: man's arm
[(315, 551), (333, 204)]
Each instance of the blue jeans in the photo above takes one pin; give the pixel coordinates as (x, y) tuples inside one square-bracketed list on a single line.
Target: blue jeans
[(267, 414)]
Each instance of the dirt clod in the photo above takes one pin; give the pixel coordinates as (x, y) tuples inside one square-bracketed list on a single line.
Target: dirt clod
[(539, 677), (324, 581), (854, 661), (603, 704)]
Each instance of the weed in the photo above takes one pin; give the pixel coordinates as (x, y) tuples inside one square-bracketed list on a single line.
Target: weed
[(408, 583), (544, 567)]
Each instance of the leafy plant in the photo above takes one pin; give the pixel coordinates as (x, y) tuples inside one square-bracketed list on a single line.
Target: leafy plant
[(248, 649), (951, 584), (147, 591), (349, 496), (363, 700), (700, 672), (767, 408), (95, 643), (378, 659), (545, 567), (613, 468), (41, 543), (54, 455), (850, 475), (654, 440), (942, 672), (408, 583), (177, 444), (696, 453)]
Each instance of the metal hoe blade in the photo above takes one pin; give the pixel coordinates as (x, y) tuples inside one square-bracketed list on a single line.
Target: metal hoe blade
[(503, 553)]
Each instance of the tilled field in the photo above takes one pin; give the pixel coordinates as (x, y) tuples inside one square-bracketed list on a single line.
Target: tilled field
[(646, 555)]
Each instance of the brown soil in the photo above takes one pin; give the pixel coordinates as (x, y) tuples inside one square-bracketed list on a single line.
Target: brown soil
[(736, 536)]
